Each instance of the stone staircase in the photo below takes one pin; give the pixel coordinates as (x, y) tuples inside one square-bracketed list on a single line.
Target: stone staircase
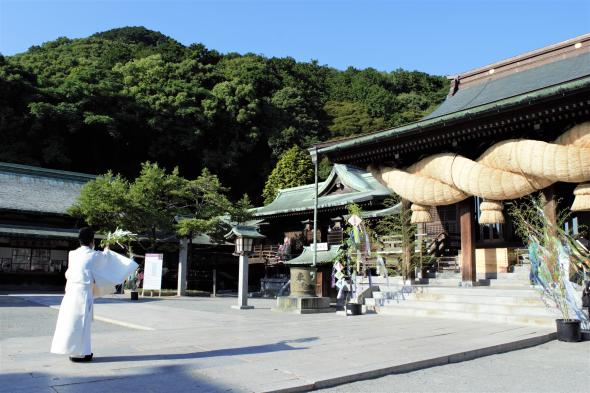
[(508, 298)]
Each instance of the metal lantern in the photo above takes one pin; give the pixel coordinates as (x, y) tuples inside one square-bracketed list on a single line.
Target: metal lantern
[(243, 244), (243, 236)]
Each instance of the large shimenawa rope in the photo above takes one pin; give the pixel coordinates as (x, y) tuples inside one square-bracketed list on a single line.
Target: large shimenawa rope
[(507, 170)]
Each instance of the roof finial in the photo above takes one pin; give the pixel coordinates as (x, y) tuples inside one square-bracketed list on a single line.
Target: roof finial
[(455, 85)]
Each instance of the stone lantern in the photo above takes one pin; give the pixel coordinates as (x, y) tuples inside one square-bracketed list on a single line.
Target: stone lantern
[(243, 236)]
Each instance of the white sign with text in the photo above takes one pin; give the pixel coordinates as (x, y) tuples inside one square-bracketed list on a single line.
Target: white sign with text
[(152, 274), (321, 246)]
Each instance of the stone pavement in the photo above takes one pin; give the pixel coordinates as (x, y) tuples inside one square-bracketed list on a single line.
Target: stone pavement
[(201, 344), (547, 368)]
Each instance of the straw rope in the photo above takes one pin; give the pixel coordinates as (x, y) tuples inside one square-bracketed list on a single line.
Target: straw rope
[(582, 199), (507, 170), (420, 214), (491, 212)]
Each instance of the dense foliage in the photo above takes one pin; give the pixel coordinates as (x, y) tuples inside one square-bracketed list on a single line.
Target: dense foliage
[(158, 204), (121, 97), (295, 168)]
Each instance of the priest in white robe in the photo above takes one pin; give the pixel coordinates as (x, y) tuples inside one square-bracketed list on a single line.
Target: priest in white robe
[(90, 274)]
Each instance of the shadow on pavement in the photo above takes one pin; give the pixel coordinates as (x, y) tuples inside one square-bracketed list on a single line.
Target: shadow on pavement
[(255, 349), (157, 379), (12, 301), (48, 300)]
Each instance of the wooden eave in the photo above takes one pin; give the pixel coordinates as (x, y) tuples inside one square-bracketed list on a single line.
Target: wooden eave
[(495, 123)]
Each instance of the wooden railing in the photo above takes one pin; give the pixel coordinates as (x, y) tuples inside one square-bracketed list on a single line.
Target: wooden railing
[(268, 253)]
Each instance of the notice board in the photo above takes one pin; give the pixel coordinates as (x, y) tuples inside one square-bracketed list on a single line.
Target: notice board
[(152, 274)]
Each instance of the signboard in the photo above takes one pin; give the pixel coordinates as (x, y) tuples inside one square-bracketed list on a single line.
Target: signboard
[(321, 247), (152, 274)]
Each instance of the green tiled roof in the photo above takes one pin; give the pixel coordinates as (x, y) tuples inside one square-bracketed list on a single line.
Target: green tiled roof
[(523, 87), (243, 230), (33, 189), (306, 257), (383, 212), (363, 185), (512, 85)]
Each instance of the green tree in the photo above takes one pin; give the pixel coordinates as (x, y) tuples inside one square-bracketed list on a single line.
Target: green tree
[(295, 168), (155, 198), (349, 118), (241, 211), (203, 203), (104, 203), (324, 168), (156, 204), (82, 104)]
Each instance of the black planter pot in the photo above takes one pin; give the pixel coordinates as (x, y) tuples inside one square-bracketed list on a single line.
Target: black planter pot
[(354, 309), (568, 330), (134, 295)]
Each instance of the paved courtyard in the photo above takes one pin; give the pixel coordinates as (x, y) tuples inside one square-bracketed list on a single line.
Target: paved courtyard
[(201, 344)]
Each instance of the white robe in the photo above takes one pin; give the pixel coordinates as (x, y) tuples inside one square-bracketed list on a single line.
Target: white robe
[(90, 274)]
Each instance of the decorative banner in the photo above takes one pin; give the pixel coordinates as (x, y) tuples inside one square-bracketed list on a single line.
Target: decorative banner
[(152, 275), (355, 220), (356, 236), (342, 285)]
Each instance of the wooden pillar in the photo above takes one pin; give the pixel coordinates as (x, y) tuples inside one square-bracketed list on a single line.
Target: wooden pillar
[(550, 207), (466, 219), (406, 241)]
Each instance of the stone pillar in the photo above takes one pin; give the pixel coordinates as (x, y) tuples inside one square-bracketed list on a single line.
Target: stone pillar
[(243, 285), (182, 266), (466, 219)]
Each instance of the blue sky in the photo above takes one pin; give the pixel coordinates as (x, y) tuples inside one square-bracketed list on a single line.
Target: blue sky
[(435, 36)]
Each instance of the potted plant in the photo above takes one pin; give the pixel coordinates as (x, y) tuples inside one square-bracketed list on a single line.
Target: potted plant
[(555, 258), (121, 238), (133, 283)]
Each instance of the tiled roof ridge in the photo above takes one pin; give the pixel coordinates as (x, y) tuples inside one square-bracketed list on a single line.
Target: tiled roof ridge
[(20, 169), (535, 55), (348, 167)]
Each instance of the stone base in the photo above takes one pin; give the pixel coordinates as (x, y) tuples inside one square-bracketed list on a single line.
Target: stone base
[(236, 307), (303, 305)]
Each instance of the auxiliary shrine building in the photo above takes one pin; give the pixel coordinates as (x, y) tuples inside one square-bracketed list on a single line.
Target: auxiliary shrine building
[(36, 232)]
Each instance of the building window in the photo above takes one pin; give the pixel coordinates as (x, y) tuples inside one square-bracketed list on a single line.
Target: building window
[(22, 260)]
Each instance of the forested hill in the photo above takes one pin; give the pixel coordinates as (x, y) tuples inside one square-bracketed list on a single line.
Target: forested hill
[(117, 98)]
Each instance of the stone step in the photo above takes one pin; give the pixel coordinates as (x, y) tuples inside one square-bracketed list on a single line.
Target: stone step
[(537, 320), (473, 308), (442, 282), (468, 291), (532, 300), (508, 284), (525, 300)]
